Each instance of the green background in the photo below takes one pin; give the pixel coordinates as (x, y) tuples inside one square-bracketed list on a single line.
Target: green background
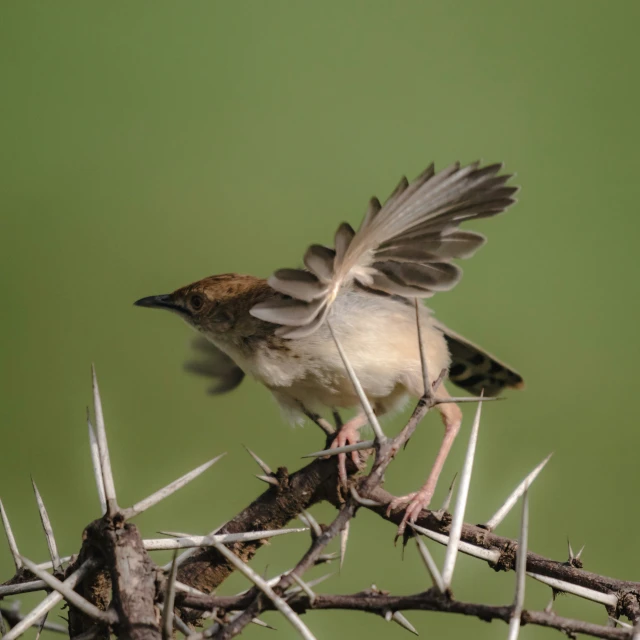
[(149, 144)]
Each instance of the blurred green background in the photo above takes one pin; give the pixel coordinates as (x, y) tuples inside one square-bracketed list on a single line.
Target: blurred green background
[(149, 144)]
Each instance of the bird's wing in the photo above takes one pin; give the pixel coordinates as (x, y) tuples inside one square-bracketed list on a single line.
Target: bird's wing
[(403, 247), (475, 370), (214, 364)]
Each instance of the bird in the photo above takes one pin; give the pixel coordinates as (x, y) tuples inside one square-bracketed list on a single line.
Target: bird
[(364, 293)]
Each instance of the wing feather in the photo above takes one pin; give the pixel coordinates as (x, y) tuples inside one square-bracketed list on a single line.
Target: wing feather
[(403, 247)]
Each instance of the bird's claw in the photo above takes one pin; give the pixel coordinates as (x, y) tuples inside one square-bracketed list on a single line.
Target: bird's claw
[(413, 504), (343, 438)]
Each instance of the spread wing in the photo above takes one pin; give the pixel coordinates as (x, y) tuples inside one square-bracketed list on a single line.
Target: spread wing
[(475, 370), (216, 365), (403, 247)]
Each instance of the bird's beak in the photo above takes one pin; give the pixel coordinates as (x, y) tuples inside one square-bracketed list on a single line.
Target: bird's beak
[(164, 301)]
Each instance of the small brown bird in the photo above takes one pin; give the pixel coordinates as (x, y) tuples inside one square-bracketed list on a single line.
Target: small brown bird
[(277, 330)]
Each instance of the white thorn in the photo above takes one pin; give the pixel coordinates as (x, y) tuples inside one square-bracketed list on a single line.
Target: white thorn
[(21, 587), (457, 521), (311, 522), (311, 583), (463, 399), (97, 469), (344, 538), (489, 555), (502, 512), (49, 565), (103, 447), (171, 488), (48, 530), (366, 405), (13, 547), (423, 361), (280, 604), (388, 614), (358, 446), (403, 622), (268, 479), (622, 623), (608, 599), (169, 600), (365, 502), (306, 588), (190, 542), (50, 601), (521, 569), (447, 501), (70, 595), (430, 564), (261, 463), (580, 552), (180, 586)]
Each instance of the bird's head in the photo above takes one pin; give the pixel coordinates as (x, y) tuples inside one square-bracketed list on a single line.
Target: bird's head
[(213, 305)]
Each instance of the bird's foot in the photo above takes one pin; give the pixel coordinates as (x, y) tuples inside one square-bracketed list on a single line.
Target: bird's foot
[(413, 504), (348, 434)]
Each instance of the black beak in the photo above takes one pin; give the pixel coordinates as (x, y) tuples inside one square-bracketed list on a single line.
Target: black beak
[(164, 301)]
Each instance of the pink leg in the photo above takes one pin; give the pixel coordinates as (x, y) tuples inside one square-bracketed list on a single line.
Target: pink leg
[(348, 434), (416, 502)]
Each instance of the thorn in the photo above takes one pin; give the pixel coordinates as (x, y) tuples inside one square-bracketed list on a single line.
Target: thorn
[(447, 501), (428, 389), (263, 465), (169, 600), (549, 607), (70, 595), (430, 564), (180, 586), (48, 530), (95, 462), (171, 488), (305, 587), (521, 569), (13, 547), (365, 502), (480, 399), (175, 534), (388, 614), (279, 603), (344, 538), (41, 626), (608, 599), (269, 480), (571, 556), (50, 601), (502, 512), (457, 521), (311, 522), (403, 622), (366, 405), (623, 624), (262, 623), (21, 587), (489, 555), (190, 542), (325, 558), (358, 446), (103, 448)]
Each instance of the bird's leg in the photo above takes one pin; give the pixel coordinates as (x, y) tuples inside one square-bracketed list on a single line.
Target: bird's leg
[(348, 434), (415, 502)]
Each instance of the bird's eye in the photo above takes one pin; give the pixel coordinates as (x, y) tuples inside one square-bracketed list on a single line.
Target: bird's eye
[(196, 301)]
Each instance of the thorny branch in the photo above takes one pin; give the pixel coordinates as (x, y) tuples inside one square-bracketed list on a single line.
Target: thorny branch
[(114, 586)]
